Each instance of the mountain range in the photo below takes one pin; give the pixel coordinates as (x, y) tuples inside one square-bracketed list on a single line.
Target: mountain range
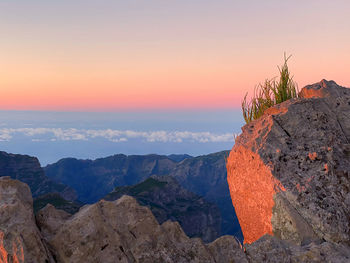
[(204, 176)]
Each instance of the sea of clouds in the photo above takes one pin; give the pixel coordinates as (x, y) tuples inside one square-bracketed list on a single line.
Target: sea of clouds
[(67, 134)]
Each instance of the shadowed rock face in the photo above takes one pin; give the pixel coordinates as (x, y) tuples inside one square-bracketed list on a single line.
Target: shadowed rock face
[(289, 171), (20, 239), (27, 169)]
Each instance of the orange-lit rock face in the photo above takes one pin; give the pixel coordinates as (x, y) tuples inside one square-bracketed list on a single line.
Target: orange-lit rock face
[(17, 254), (252, 192), (3, 252)]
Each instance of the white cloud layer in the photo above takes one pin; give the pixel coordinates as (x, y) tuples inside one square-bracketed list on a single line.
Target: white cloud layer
[(59, 134)]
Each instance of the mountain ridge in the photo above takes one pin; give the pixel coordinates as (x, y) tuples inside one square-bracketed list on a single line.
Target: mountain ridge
[(203, 175)]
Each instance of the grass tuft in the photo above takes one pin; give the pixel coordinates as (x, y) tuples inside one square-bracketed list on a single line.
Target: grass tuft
[(270, 93)]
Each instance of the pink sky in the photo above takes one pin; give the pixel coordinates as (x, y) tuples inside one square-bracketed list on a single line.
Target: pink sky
[(163, 54)]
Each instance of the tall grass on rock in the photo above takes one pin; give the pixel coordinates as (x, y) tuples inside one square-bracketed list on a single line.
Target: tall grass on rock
[(270, 93)]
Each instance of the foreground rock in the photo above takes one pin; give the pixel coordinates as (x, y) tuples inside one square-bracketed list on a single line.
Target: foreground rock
[(123, 231), (289, 171), (20, 239), (274, 250), (170, 201)]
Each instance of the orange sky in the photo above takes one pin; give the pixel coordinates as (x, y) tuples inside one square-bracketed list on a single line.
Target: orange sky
[(179, 54)]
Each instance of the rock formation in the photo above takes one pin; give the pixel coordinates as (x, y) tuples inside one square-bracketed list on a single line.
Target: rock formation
[(289, 171), (124, 231), (170, 201), (20, 239), (270, 249)]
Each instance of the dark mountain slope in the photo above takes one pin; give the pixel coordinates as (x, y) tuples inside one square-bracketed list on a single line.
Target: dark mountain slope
[(203, 175), (170, 201), (94, 179), (27, 169), (57, 201)]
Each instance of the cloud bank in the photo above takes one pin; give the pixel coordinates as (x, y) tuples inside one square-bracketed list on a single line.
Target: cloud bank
[(60, 134)]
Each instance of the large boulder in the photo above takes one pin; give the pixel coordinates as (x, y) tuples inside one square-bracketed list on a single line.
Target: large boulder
[(289, 171), (124, 231), (20, 239)]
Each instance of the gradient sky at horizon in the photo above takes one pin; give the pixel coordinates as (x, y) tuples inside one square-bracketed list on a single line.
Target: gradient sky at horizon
[(154, 54)]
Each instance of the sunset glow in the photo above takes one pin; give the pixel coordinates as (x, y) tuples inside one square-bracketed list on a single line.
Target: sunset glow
[(90, 55)]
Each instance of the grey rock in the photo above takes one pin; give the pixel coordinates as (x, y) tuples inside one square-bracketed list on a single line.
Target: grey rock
[(123, 231), (273, 250), (50, 220), (297, 154), (20, 239), (226, 249)]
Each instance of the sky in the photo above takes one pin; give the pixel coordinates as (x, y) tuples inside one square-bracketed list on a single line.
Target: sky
[(88, 79), (112, 55)]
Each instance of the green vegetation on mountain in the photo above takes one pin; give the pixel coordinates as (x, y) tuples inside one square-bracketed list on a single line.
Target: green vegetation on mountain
[(57, 201), (168, 200)]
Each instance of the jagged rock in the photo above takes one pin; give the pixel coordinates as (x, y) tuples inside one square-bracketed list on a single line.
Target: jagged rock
[(289, 171), (226, 249), (273, 250), (168, 200), (27, 169), (20, 239), (123, 231), (50, 220)]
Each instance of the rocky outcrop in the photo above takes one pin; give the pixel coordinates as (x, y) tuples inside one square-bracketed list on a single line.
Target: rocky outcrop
[(20, 239), (289, 171), (123, 231), (203, 175), (271, 249), (168, 200), (50, 220), (27, 169)]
